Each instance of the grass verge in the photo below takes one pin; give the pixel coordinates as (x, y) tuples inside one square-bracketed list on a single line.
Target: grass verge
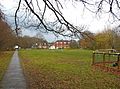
[(64, 69), (5, 58)]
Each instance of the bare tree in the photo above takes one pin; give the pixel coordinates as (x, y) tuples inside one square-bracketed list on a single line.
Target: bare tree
[(35, 11), (7, 37), (39, 36), (1, 15)]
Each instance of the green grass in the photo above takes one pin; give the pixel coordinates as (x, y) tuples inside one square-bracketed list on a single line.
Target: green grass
[(64, 69), (5, 58)]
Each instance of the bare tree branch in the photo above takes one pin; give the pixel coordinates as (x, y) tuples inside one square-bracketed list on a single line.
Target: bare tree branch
[(61, 25), (16, 29)]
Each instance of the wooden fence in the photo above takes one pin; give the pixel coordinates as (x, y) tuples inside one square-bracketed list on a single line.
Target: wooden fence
[(105, 57)]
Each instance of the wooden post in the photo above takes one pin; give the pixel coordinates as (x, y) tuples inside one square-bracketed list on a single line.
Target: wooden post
[(118, 60), (109, 57), (93, 61), (104, 58)]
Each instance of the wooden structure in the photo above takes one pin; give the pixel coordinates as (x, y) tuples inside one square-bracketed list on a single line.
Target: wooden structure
[(110, 58)]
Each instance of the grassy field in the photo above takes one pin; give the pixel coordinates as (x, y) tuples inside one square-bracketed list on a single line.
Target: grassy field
[(5, 58), (64, 69)]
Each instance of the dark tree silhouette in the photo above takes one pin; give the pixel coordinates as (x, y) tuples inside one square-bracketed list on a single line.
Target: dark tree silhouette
[(37, 20), (1, 15)]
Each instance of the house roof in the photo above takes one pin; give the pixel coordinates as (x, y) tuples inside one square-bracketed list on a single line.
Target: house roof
[(62, 41)]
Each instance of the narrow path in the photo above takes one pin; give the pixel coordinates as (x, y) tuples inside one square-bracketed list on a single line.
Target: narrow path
[(14, 78)]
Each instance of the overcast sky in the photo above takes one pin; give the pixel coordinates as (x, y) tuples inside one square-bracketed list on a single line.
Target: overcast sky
[(74, 13)]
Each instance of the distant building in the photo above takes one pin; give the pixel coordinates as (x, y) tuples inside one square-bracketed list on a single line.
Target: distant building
[(61, 44), (52, 47), (16, 47), (43, 45)]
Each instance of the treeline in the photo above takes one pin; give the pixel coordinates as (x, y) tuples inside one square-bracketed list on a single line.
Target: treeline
[(107, 39), (30, 42), (8, 38)]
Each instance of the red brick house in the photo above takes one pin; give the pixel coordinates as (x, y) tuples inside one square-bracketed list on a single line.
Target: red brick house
[(62, 44)]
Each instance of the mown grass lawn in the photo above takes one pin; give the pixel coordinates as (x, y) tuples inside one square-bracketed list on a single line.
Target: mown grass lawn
[(64, 69), (5, 58)]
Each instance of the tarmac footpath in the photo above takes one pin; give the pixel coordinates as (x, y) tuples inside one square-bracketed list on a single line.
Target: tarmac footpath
[(14, 78)]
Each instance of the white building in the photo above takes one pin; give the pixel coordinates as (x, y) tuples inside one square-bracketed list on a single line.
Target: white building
[(16, 47), (52, 47)]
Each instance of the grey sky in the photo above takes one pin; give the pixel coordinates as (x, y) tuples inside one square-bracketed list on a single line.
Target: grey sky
[(73, 12)]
